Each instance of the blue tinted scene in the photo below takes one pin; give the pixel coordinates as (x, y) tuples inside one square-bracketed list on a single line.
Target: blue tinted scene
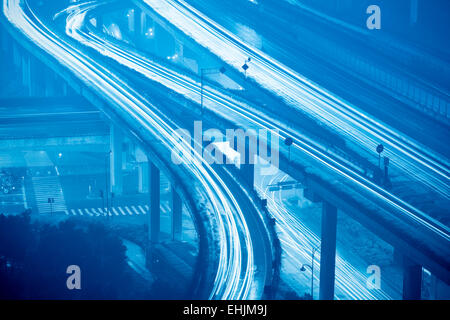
[(225, 150)]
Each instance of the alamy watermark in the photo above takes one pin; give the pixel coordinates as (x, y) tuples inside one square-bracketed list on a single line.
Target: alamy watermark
[(74, 280), (374, 280), (374, 20)]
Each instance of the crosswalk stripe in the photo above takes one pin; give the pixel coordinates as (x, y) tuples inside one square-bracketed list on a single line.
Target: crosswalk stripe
[(121, 211), (135, 211), (124, 211), (129, 211)]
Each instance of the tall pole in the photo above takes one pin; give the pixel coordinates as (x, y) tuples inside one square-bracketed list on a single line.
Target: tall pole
[(312, 273), (289, 154), (106, 186)]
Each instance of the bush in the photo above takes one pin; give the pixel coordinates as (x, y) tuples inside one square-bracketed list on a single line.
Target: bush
[(34, 260)]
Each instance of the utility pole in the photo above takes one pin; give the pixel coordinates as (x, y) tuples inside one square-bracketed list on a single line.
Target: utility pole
[(380, 149), (311, 267), (108, 155)]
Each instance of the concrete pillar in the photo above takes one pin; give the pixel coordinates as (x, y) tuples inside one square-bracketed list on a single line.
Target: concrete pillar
[(5, 46), (50, 84), (25, 71), (328, 251), (143, 175), (143, 25), (16, 55), (99, 23), (32, 75), (179, 49), (116, 177), (247, 162), (164, 42), (154, 218), (65, 89), (177, 220), (412, 280), (130, 16), (37, 80), (155, 200), (137, 21)]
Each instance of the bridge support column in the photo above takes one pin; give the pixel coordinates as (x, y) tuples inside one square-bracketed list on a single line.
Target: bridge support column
[(142, 177), (137, 23), (50, 84), (37, 80), (130, 16), (153, 223), (248, 163), (32, 74), (5, 47), (99, 23), (155, 200), (116, 144), (143, 26), (412, 280), (163, 41), (177, 219), (179, 49), (16, 55), (328, 251), (25, 64)]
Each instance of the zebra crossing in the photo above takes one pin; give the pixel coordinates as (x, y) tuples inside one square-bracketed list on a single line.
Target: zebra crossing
[(132, 210), (48, 187)]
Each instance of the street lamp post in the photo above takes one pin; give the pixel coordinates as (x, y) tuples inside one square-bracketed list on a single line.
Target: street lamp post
[(103, 200), (203, 72), (245, 66), (311, 267), (380, 149), (107, 157), (288, 142)]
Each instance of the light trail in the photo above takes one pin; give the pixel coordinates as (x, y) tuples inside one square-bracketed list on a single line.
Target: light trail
[(410, 157), (297, 236), (221, 103), (234, 278), (298, 240)]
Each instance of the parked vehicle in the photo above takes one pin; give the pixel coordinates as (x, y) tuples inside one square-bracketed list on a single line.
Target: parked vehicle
[(7, 182)]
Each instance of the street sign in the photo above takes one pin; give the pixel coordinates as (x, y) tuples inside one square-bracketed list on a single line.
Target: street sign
[(288, 141), (380, 148)]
